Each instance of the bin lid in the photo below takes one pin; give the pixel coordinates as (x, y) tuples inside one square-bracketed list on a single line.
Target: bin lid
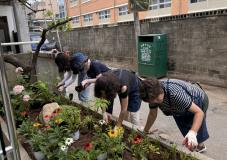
[(151, 35)]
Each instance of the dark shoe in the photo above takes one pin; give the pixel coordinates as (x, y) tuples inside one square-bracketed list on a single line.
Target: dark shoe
[(201, 149), (70, 96)]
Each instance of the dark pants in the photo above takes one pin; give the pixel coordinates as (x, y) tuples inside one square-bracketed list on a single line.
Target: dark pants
[(184, 122)]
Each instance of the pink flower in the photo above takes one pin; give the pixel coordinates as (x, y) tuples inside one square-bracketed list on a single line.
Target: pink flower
[(18, 89), (26, 98), (19, 70)]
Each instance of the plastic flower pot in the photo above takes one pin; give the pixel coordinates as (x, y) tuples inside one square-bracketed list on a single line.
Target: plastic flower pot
[(76, 135), (39, 155), (102, 156)]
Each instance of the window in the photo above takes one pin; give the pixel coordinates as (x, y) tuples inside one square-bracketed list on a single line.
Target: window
[(123, 10), (88, 18), (76, 20), (104, 14), (84, 1), (72, 2), (157, 4), (195, 1)]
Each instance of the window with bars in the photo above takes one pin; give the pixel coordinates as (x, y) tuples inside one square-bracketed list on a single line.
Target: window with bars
[(72, 2), (76, 20), (195, 1), (123, 10), (104, 14), (158, 4), (88, 18)]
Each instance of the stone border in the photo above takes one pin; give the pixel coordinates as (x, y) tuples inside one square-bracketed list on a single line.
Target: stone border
[(169, 144)]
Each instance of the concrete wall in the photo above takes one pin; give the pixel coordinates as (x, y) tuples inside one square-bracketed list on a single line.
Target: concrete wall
[(7, 11), (22, 26), (46, 69), (197, 46), (16, 18)]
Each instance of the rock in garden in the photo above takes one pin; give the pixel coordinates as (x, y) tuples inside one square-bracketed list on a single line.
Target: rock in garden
[(47, 111)]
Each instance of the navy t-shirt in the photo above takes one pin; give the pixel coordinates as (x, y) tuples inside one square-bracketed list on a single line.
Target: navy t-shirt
[(129, 79), (96, 68)]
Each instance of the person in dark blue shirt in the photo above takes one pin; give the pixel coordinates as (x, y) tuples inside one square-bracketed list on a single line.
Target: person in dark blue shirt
[(126, 84), (87, 70)]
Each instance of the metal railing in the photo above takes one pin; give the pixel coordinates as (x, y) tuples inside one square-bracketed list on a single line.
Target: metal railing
[(13, 147)]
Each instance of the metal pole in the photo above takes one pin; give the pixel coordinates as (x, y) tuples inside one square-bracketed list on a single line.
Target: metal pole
[(59, 41), (18, 43), (8, 109), (136, 25)]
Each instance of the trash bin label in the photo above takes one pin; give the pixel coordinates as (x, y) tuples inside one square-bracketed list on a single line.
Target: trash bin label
[(145, 50)]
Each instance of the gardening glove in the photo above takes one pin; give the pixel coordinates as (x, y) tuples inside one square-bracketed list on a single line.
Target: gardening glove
[(60, 89), (105, 117), (190, 140), (60, 84)]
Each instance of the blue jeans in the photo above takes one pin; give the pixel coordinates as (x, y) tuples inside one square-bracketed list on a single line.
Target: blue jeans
[(184, 122), (83, 95)]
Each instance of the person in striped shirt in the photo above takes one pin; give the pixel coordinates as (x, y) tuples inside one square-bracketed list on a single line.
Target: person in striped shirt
[(185, 101)]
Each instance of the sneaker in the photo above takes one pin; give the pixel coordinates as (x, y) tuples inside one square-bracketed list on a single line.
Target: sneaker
[(201, 149)]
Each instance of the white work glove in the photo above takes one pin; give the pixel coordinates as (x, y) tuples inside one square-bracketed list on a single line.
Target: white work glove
[(190, 140), (60, 89), (105, 117)]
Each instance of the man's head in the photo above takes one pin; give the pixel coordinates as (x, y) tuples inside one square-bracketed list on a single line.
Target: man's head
[(77, 62), (107, 86), (151, 91)]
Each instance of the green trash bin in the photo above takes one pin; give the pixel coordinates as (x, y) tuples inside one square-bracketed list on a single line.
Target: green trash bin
[(152, 55)]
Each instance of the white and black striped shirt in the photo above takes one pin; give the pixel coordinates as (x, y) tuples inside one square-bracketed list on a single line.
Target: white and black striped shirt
[(181, 96)]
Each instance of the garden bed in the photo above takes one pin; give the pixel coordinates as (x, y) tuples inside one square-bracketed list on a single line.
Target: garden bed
[(89, 135), (50, 133)]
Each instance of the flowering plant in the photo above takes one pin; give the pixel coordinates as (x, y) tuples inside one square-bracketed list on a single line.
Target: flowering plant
[(111, 143), (141, 146)]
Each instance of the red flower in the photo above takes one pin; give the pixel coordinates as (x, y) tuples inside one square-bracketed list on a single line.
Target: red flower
[(23, 113), (46, 127), (137, 139), (46, 117), (88, 146)]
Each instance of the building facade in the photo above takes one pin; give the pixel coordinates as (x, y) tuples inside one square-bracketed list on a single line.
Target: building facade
[(13, 26), (99, 12)]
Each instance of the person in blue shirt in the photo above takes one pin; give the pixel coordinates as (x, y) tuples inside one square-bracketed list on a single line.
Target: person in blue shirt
[(126, 84), (87, 70), (186, 102)]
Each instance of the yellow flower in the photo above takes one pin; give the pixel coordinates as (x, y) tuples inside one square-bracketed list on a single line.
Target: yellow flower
[(113, 133), (120, 130), (58, 121), (36, 124)]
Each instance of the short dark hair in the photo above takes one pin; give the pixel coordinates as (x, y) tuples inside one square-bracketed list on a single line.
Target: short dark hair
[(62, 62), (108, 84), (150, 89)]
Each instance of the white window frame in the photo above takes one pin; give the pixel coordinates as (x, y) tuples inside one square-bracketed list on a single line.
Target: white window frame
[(123, 10), (73, 2), (104, 14), (160, 4), (85, 1), (197, 1), (76, 20), (88, 18)]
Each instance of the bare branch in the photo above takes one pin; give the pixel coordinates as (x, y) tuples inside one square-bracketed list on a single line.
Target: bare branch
[(16, 62), (43, 38)]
